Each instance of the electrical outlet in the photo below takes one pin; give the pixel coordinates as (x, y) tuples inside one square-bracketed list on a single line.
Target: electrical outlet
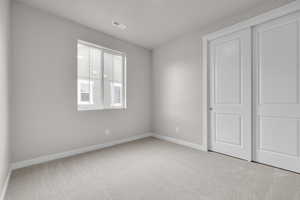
[(177, 129), (107, 132)]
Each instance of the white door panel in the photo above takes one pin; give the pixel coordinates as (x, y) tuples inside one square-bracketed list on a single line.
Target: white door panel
[(230, 94), (228, 129), (272, 138), (277, 112), (228, 72)]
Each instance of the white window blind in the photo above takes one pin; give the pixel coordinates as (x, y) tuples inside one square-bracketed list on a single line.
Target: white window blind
[(101, 78)]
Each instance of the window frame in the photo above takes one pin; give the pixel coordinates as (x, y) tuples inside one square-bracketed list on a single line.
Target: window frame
[(86, 107)]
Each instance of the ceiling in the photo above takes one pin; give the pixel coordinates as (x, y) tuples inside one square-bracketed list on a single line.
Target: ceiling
[(150, 23)]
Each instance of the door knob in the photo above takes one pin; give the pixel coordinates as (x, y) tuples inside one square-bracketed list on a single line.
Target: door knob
[(210, 109)]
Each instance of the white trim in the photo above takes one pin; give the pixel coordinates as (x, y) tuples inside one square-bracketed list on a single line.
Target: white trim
[(180, 142), (205, 102), (47, 158), (51, 157), (275, 13), (4, 189)]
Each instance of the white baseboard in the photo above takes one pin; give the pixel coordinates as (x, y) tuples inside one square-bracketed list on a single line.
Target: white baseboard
[(3, 192), (180, 142), (47, 158)]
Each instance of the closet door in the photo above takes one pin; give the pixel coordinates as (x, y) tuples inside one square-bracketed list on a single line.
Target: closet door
[(230, 94), (277, 112)]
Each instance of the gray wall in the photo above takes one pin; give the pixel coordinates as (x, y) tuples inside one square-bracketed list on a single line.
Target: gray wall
[(177, 80), (44, 107), (4, 97)]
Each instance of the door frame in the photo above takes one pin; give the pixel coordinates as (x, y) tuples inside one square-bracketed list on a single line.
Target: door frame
[(273, 14)]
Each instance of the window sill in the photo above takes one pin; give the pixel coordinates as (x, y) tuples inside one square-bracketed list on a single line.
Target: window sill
[(99, 109)]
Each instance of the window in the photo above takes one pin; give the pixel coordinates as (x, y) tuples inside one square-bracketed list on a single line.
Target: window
[(101, 76)]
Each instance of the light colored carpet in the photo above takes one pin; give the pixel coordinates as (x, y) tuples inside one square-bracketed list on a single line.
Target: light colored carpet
[(150, 169)]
